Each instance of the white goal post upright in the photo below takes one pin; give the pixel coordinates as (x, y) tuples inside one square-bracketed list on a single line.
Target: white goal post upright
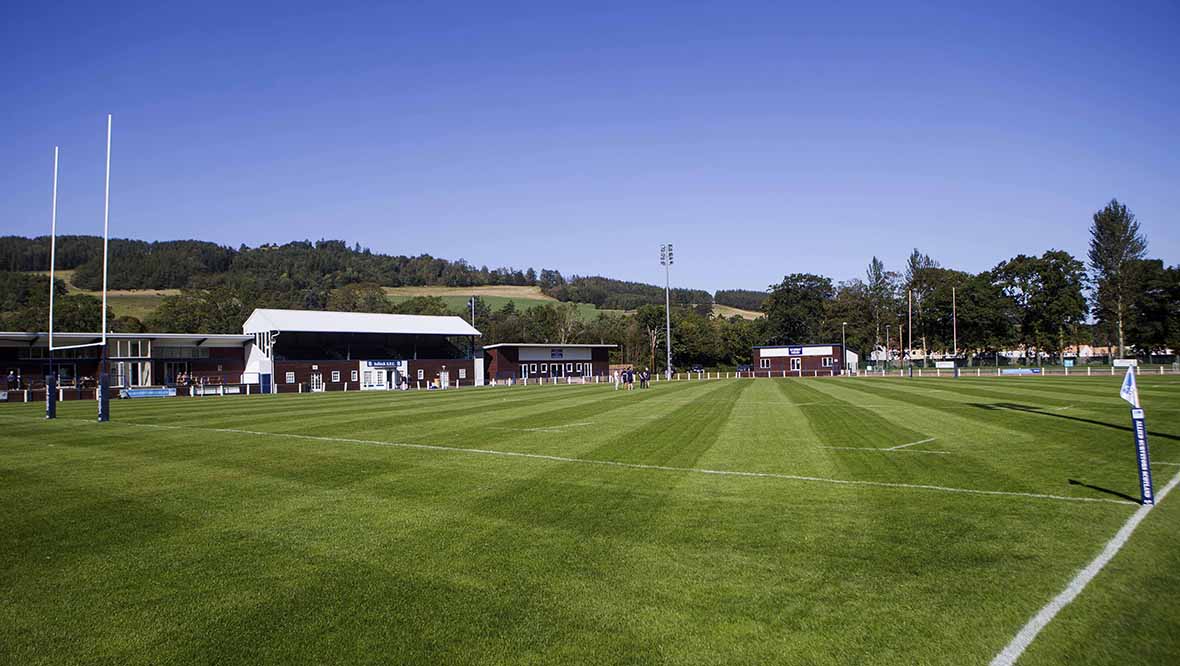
[(104, 374), (105, 239)]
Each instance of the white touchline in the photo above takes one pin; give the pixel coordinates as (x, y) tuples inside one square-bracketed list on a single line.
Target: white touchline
[(1023, 638), (611, 463), (902, 446)]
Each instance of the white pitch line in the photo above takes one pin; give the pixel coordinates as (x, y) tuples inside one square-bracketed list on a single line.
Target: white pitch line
[(614, 463), (869, 448), (556, 428), (902, 446), (1170, 464), (1024, 638)]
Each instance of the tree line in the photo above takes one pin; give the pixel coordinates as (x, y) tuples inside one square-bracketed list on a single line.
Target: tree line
[(1041, 304), (303, 273)]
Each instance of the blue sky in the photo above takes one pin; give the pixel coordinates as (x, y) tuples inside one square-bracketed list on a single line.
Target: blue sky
[(761, 138)]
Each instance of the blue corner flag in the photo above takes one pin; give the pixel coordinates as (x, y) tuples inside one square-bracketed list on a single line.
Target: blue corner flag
[(1130, 393)]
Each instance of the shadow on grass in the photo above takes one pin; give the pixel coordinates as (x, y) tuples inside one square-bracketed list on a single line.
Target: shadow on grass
[(1036, 410), (1108, 491)]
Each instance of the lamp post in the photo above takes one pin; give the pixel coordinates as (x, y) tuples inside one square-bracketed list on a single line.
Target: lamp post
[(887, 354), (843, 348), (666, 262)]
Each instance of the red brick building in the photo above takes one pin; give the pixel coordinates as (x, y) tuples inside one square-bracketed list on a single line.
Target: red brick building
[(520, 360), (299, 350), (803, 360), (135, 360)]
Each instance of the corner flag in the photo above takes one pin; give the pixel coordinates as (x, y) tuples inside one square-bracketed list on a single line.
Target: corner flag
[(1130, 393)]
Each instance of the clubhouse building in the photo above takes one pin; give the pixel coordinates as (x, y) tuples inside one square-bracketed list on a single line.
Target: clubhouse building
[(803, 360), (520, 360), (279, 351)]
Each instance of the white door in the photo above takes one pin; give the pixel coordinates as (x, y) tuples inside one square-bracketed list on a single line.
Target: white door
[(444, 379), (317, 382), (796, 364)]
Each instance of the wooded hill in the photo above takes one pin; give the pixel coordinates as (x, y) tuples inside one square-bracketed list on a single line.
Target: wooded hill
[(307, 272)]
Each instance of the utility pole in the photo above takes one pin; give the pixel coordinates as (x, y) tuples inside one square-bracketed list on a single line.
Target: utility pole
[(909, 348), (955, 324), (843, 348), (666, 262), (887, 353)]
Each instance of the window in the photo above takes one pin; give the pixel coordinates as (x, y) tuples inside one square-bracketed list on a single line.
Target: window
[(569, 367), (335, 375), (368, 377), (421, 373), (290, 377), (764, 363), (579, 367), (462, 373), (796, 363), (533, 368), (544, 368), (354, 373), (827, 361)]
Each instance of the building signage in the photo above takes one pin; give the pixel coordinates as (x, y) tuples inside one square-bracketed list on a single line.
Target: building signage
[(556, 354), (382, 364), (1146, 490), (1021, 371), (944, 365), (147, 393), (794, 351)]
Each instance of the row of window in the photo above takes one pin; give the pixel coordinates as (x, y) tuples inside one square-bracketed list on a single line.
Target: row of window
[(796, 363), (569, 367), (290, 376)]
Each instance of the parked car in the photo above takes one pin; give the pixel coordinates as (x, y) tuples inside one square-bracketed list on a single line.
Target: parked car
[(746, 367), (697, 367)]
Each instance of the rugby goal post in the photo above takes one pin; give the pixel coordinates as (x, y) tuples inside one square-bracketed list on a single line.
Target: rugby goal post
[(103, 390)]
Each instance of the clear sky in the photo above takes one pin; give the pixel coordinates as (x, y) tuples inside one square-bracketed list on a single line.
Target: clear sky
[(760, 138)]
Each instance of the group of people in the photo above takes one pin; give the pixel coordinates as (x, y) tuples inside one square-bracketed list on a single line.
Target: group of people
[(627, 377)]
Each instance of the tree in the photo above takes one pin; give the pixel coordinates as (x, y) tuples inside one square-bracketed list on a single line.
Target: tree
[(919, 281), (795, 308), (986, 316), (423, 305), (1154, 321), (359, 297), (651, 319), (1047, 293), (851, 304), (882, 288), (1115, 242)]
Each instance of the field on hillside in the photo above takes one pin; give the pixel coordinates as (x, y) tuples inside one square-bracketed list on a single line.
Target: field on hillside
[(756, 521), (496, 297), (727, 311)]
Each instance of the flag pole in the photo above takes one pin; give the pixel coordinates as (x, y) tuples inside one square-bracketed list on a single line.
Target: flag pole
[(1130, 393)]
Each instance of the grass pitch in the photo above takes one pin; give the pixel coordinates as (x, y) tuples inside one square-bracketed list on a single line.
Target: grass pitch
[(696, 522)]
